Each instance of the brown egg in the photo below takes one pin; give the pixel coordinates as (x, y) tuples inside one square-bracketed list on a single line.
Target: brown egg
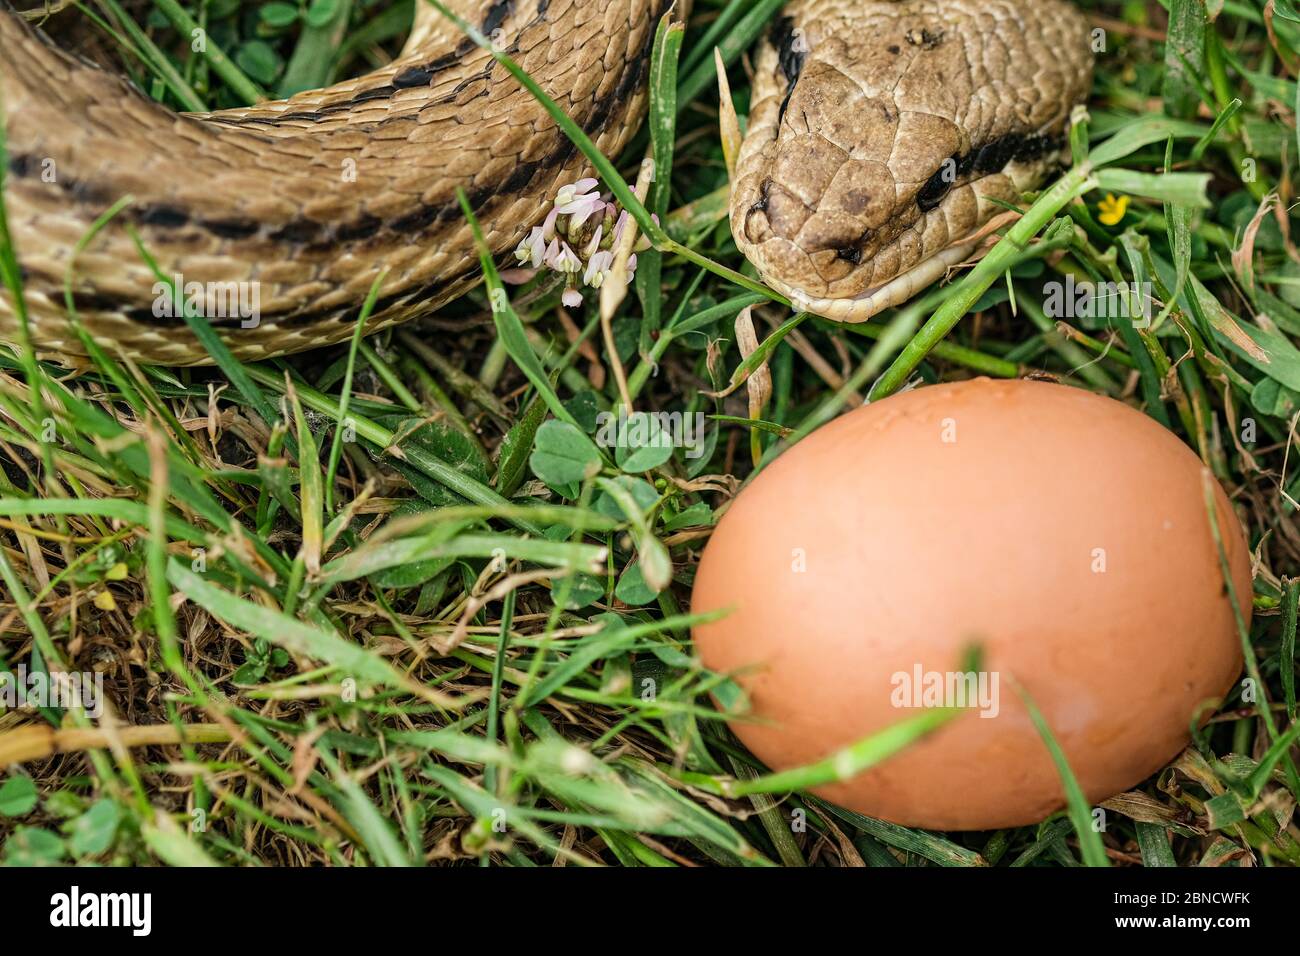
[(1064, 533)]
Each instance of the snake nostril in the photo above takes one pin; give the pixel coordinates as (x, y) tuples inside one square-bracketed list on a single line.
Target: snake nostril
[(759, 206)]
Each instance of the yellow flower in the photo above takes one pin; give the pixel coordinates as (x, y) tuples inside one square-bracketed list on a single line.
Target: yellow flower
[(104, 601), (1111, 210)]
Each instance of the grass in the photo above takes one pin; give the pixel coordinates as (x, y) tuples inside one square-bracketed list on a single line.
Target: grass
[(392, 604)]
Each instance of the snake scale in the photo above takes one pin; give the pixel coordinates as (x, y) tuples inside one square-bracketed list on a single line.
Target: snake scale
[(882, 136)]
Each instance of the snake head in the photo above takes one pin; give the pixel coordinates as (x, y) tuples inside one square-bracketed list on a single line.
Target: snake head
[(884, 134)]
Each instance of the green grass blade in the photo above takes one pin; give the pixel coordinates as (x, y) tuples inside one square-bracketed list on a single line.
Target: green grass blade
[(1078, 809)]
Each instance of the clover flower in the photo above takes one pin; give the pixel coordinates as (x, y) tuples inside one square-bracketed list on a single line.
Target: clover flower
[(578, 203), (563, 259), (578, 239)]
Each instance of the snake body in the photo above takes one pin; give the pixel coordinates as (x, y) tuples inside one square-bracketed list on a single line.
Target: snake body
[(857, 107)]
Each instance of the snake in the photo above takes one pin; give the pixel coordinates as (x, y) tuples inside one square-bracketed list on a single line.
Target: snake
[(883, 136)]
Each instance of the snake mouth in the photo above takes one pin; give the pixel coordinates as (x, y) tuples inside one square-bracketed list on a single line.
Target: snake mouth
[(811, 254), (871, 302)]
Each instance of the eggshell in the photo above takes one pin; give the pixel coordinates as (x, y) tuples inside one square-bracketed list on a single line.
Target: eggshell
[(1064, 533)]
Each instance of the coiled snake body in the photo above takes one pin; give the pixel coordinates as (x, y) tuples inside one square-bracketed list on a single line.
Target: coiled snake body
[(881, 135)]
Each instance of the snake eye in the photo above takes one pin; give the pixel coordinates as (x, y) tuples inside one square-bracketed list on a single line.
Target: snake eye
[(938, 185), (792, 50)]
